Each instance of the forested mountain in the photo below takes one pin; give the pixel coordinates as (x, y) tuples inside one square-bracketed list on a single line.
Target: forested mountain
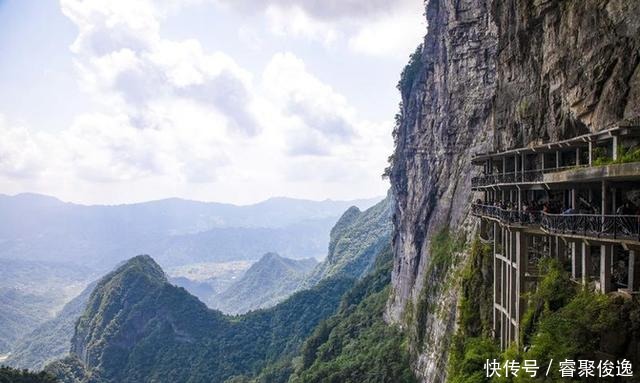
[(32, 292), (52, 339), (354, 242), (20, 312), (267, 282), (355, 344), (137, 327)]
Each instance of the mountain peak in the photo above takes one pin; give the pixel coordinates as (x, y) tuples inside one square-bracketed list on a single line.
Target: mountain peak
[(267, 282), (141, 264)]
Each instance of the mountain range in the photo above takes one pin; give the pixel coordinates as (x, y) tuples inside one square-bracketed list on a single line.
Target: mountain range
[(176, 231), (270, 282), (137, 327)]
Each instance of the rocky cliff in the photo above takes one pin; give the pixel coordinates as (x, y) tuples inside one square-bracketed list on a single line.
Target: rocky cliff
[(491, 75)]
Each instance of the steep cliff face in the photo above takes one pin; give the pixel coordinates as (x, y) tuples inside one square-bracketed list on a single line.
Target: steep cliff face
[(492, 75)]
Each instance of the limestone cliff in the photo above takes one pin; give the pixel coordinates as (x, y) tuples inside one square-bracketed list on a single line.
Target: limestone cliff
[(492, 75)]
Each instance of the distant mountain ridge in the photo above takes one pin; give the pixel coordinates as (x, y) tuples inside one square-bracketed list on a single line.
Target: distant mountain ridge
[(36, 227)]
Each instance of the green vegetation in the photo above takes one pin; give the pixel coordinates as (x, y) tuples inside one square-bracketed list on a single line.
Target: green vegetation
[(52, 339), (625, 155), (9, 375), (443, 249), (355, 344), (472, 344), (20, 313), (266, 283), (138, 328), (355, 241), (561, 322), (410, 71), (580, 324)]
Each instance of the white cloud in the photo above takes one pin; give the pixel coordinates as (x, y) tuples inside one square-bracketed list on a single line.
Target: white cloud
[(125, 63), (371, 27), (294, 21), (396, 35), (177, 119), (316, 105), (20, 154), (328, 9)]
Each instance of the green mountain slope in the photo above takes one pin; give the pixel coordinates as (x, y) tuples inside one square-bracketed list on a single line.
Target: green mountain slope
[(355, 241), (267, 282), (20, 313), (52, 339), (354, 345), (137, 327)]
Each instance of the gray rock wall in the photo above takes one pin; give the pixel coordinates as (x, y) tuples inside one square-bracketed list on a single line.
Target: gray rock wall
[(494, 75)]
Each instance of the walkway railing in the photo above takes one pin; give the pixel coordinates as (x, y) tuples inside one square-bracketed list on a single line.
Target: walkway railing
[(527, 176), (593, 225), (588, 225), (506, 215)]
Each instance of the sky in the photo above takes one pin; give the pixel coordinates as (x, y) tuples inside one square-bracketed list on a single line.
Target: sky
[(120, 101)]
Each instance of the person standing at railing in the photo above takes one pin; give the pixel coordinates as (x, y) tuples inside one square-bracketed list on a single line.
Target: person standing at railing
[(624, 209)]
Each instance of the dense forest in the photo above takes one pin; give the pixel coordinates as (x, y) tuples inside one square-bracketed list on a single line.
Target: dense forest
[(10, 375)]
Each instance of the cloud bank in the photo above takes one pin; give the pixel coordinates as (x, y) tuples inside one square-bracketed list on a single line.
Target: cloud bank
[(177, 119)]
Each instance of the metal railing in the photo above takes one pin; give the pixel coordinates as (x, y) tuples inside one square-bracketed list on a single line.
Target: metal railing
[(506, 215), (587, 225), (527, 176), (593, 225)]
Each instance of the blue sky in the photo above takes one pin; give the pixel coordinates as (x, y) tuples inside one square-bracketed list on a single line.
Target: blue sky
[(237, 101)]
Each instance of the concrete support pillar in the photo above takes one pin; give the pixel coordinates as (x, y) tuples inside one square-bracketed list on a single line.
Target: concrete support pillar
[(614, 149), (561, 248), (576, 257), (523, 157), (586, 263), (496, 273), (634, 270), (605, 268), (522, 262), (590, 153), (614, 202), (541, 155), (558, 158), (578, 156), (574, 198), (603, 202)]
